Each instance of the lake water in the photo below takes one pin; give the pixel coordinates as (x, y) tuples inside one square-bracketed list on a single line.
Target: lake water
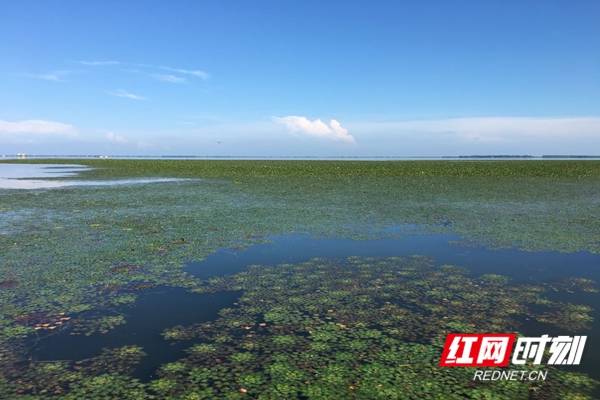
[(44, 176), (154, 311), (163, 308)]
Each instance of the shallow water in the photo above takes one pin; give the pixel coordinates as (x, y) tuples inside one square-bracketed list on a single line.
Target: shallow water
[(26, 176), (158, 310), (154, 311)]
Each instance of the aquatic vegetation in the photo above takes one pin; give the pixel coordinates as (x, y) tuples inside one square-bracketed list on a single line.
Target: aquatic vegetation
[(121, 360), (363, 328), (42, 321), (106, 387), (356, 328), (575, 284), (241, 169), (9, 284), (79, 253), (571, 317), (102, 324), (66, 379)]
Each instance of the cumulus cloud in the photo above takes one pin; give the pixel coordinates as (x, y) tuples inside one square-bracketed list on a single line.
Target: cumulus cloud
[(116, 138), (317, 128), (125, 94), (36, 127)]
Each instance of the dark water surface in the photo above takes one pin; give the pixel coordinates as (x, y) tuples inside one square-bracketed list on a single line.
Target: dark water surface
[(157, 310), (154, 311)]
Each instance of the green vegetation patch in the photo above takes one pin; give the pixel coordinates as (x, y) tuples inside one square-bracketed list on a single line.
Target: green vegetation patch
[(363, 328)]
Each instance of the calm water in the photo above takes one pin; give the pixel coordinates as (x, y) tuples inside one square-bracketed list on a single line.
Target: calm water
[(31, 176), (27, 176), (154, 311), (158, 310)]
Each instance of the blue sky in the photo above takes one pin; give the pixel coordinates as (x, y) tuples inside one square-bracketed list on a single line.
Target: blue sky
[(300, 77)]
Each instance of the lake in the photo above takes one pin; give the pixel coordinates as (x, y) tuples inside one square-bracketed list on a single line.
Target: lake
[(290, 279)]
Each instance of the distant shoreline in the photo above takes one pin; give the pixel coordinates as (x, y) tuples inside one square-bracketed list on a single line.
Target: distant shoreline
[(220, 157)]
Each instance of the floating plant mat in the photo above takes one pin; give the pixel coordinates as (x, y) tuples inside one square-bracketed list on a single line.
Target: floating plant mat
[(362, 327), (569, 277)]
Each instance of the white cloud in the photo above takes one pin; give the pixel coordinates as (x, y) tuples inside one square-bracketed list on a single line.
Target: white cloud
[(193, 72), (492, 129), (99, 63), (116, 138), (334, 130), (36, 127), (53, 76), (168, 78), (125, 94)]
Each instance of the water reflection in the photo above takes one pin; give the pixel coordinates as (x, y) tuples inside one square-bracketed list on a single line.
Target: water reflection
[(25, 176)]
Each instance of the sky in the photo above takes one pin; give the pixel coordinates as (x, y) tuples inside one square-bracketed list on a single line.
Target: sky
[(300, 78)]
